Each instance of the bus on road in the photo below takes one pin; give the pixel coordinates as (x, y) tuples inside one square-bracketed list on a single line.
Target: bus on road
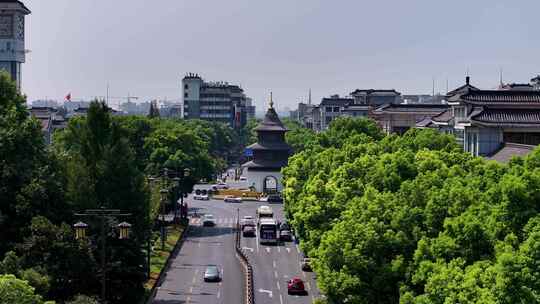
[(268, 231)]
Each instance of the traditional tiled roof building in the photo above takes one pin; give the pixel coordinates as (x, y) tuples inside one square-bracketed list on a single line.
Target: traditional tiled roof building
[(490, 118), (270, 154), (398, 118)]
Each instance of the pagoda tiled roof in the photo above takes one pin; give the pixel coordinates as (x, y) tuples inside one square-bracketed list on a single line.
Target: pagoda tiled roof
[(16, 1), (426, 109), (508, 117), (270, 146), (505, 97), (265, 164), (510, 150), (342, 102), (443, 117), (271, 122), (424, 123)]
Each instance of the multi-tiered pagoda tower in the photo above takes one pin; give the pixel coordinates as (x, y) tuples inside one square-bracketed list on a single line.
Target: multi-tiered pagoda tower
[(270, 154)]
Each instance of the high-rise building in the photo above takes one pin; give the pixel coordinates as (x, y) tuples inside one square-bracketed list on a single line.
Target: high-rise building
[(250, 109), (12, 48), (214, 101)]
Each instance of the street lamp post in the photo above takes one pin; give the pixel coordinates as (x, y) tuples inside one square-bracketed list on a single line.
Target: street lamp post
[(149, 238), (103, 214), (164, 193)]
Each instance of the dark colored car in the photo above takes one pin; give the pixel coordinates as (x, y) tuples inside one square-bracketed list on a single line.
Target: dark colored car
[(211, 274), (248, 231), (306, 264), (275, 198), (296, 286), (285, 235)]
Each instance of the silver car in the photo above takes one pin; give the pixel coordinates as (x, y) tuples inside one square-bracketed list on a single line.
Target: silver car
[(211, 274), (208, 220)]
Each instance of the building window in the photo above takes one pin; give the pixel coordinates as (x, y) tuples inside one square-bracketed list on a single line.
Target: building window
[(185, 95), (336, 109), (186, 86), (328, 109), (459, 113)]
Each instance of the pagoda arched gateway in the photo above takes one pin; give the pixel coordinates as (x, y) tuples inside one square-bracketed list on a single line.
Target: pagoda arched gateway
[(270, 154)]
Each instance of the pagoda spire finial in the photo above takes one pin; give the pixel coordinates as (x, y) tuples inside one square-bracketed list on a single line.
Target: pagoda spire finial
[(271, 101)]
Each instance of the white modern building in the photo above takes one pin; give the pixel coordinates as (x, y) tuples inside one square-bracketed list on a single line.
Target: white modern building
[(215, 101)]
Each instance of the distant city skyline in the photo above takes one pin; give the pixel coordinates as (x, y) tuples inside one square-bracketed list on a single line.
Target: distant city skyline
[(79, 47)]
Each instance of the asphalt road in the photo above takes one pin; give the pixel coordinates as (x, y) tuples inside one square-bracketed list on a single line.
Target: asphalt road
[(205, 246), (272, 265)]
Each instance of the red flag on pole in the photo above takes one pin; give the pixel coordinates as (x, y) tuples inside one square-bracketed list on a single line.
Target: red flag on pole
[(68, 97)]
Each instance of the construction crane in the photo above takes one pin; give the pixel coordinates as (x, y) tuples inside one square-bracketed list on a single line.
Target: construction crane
[(108, 98)]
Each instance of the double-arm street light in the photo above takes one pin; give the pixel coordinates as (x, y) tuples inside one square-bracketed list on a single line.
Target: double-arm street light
[(103, 215)]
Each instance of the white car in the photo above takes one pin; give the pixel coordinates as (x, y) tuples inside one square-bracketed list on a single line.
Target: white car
[(201, 197), (248, 220), (209, 220), (232, 199), (243, 178)]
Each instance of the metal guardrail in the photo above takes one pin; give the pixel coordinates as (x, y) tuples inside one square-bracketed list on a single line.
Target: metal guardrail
[(248, 269)]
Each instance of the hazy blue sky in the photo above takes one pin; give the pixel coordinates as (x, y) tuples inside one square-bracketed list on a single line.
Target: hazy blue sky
[(144, 47)]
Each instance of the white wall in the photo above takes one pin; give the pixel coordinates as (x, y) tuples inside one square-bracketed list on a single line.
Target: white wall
[(256, 178)]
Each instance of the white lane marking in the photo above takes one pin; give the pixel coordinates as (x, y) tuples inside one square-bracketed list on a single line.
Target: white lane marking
[(278, 287), (247, 248), (218, 293), (191, 289), (274, 264), (269, 292), (288, 250), (280, 299), (297, 249), (199, 245), (278, 249), (267, 249), (275, 274)]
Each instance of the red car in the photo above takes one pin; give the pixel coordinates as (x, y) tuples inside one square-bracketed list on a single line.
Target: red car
[(296, 286)]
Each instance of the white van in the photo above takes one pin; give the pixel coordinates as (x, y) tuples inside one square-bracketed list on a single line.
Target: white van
[(265, 212)]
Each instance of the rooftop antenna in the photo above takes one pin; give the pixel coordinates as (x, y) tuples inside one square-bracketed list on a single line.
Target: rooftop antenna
[(271, 101), (433, 87), (446, 84), (501, 77), (107, 97), (309, 99)]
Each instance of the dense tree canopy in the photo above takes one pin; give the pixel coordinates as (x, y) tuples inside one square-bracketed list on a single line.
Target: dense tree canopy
[(99, 160), (413, 219), (16, 291)]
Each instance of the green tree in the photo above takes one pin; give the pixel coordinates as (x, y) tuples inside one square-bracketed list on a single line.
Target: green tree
[(102, 172), (16, 291), (30, 180)]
